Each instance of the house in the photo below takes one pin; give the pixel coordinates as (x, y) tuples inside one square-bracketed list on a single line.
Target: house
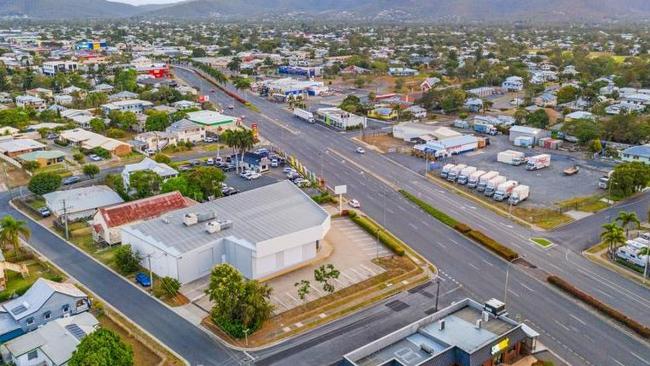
[(52, 344), (29, 101), (213, 121), (513, 84), (260, 232), (164, 171), (89, 140), (466, 333), (417, 112), (429, 83), (402, 71), (43, 158), (186, 131), (570, 70), (81, 117), (579, 115), (155, 140), (474, 104), (256, 162), (384, 113), (123, 95), (516, 132), (546, 100), (619, 108), (43, 302), (80, 203), (638, 99), (40, 92), (103, 88), (63, 99), (354, 70), (73, 89), (14, 147), (182, 105), (136, 106), (637, 153), (108, 221), (339, 118), (51, 68)]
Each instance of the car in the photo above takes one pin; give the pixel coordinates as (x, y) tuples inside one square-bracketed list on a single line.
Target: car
[(231, 107), (209, 140), (52, 136), (213, 90), (71, 180), (210, 161), (44, 211), (242, 117), (245, 174), (293, 175), (288, 170), (360, 150), (253, 175), (143, 279), (274, 163), (195, 162), (354, 203), (185, 167), (149, 152), (95, 157), (230, 191), (227, 167)]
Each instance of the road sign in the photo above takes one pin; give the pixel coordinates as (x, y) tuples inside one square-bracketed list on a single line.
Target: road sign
[(341, 189)]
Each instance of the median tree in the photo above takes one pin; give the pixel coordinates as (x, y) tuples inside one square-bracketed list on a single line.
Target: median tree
[(324, 274), (43, 183), (102, 348)]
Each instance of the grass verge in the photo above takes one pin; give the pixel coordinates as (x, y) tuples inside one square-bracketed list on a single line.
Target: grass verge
[(544, 243), (372, 228)]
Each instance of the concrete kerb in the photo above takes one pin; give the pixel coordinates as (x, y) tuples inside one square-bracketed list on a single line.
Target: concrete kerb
[(93, 293)]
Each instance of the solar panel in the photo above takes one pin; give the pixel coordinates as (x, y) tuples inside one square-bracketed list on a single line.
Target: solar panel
[(19, 309), (75, 331)]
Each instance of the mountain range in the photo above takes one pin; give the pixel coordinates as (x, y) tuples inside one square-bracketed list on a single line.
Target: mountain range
[(387, 10)]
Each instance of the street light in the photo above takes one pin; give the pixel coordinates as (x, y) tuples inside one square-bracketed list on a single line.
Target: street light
[(505, 289)]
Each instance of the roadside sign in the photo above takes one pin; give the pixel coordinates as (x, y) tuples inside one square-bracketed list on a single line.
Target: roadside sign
[(341, 189)]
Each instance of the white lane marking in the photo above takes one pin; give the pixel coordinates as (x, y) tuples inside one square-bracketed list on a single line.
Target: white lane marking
[(562, 325), (413, 226), (617, 361), (488, 263), (578, 319), (640, 358), (512, 292), (526, 287), (603, 292), (473, 266)]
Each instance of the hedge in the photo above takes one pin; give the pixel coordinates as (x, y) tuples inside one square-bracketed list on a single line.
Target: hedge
[(462, 228), (501, 250), (603, 308), (441, 216), (373, 229)]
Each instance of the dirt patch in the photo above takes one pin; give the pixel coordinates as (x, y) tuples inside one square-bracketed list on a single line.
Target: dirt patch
[(142, 355), (386, 143)]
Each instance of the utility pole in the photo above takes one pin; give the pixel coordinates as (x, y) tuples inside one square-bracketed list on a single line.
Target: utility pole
[(150, 271), (505, 289), (65, 220), (437, 292)]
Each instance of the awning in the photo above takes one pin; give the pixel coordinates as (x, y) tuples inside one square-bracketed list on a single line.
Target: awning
[(530, 332)]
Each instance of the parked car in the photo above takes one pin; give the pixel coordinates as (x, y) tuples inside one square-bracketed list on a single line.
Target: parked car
[(143, 279), (360, 150), (210, 161), (354, 203), (245, 174), (288, 170), (230, 191), (149, 152), (209, 140), (231, 107), (44, 211), (253, 175), (228, 168), (95, 157), (274, 163), (71, 180), (184, 167)]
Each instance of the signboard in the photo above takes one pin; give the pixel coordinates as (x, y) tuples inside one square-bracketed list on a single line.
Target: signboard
[(341, 189), (500, 346), (254, 128), (204, 98)]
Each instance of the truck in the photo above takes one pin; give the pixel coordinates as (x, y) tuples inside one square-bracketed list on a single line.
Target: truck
[(538, 162), (459, 123), (603, 182), (304, 115), (445, 170), (504, 190), (511, 157), (455, 171), (486, 128), (485, 178), (492, 185), (519, 194), (463, 177), (474, 178)]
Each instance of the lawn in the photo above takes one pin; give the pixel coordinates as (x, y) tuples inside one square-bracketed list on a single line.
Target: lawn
[(586, 204), (544, 243), (59, 169), (17, 285), (545, 218)]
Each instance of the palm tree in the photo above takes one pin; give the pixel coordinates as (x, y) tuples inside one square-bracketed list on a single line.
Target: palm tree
[(11, 230), (245, 142), (612, 235), (626, 218)]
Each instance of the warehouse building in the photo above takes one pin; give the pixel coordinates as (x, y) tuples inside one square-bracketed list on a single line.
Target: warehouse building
[(531, 133), (260, 232), (464, 334)]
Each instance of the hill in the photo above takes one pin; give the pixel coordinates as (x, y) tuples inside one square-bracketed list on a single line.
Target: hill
[(65, 9)]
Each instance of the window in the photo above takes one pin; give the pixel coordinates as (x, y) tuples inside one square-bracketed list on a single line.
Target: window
[(30, 321), (32, 355), (66, 308), (47, 314)]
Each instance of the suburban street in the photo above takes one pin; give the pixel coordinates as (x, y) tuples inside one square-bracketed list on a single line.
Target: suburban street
[(568, 327)]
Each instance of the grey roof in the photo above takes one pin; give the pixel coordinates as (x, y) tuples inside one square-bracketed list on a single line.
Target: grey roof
[(182, 125), (81, 199), (640, 150), (260, 214), (161, 169), (37, 295)]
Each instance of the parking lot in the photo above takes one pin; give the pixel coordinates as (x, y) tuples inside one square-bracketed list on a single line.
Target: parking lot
[(548, 185)]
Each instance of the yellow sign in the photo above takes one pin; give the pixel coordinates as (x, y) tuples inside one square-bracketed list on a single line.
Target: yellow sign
[(500, 346)]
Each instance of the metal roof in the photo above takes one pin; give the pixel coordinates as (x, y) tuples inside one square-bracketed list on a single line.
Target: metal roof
[(260, 214), (81, 199), (641, 150), (37, 295)]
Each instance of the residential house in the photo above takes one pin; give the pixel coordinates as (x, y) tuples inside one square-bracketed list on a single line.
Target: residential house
[(89, 140), (81, 117), (579, 115), (43, 157), (429, 83), (73, 89), (474, 105), (103, 88), (155, 140), (63, 99), (51, 68), (14, 147), (637, 153), (182, 105), (186, 131), (354, 70), (417, 112), (123, 95), (402, 71), (642, 100), (28, 101), (40, 92), (136, 106), (163, 170), (546, 100), (383, 113), (108, 221), (43, 302), (513, 84), (80, 203)]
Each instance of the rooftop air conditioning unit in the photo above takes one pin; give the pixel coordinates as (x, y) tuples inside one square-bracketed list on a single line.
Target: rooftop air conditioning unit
[(216, 226), (190, 219)]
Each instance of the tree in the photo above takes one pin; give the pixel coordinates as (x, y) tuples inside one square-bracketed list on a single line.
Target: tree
[(170, 286), (102, 348), (91, 170), (613, 235), (242, 83), (234, 64), (627, 219), (162, 158), (43, 183), (126, 79), (123, 120), (199, 52), (628, 178), (17, 118), (31, 165), (180, 184), (97, 125), (583, 129), (566, 94), (304, 288), (101, 152), (240, 305), (538, 119), (146, 183), (127, 260), (240, 140), (11, 231), (205, 179), (79, 157), (324, 274), (115, 182), (352, 104), (156, 121)]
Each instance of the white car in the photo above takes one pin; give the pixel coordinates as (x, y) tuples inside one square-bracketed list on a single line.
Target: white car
[(354, 203), (360, 150), (253, 175), (245, 174), (210, 161), (274, 163), (231, 107), (288, 170)]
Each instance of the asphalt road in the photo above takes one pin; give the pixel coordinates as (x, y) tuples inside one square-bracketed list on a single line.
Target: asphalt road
[(574, 331)]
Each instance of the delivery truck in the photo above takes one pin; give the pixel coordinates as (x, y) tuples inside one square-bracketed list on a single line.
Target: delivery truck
[(538, 162), (445, 170), (486, 128), (492, 185), (519, 194), (485, 178), (504, 190), (603, 182), (511, 157), (304, 115), (474, 178), (463, 177), (455, 172)]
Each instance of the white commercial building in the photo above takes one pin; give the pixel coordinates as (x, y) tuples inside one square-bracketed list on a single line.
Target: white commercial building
[(50, 68), (260, 232), (339, 118)]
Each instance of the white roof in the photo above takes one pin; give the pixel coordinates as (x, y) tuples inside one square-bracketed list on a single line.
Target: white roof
[(161, 169), (37, 295), (81, 199), (19, 145)]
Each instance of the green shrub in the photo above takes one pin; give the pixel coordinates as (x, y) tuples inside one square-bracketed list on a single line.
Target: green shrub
[(437, 214), (501, 250), (603, 308), (384, 236)]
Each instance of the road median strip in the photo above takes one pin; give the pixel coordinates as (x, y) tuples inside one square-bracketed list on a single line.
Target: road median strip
[(384, 236), (479, 237), (601, 307)]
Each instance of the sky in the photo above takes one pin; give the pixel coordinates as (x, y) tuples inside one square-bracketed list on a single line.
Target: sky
[(145, 2)]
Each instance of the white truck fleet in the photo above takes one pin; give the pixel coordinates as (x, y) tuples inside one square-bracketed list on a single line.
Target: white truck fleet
[(464, 175), (511, 157), (455, 171), (484, 179), (474, 178), (519, 193), (492, 185), (304, 115), (444, 172), (538, 162), (504, 190)]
